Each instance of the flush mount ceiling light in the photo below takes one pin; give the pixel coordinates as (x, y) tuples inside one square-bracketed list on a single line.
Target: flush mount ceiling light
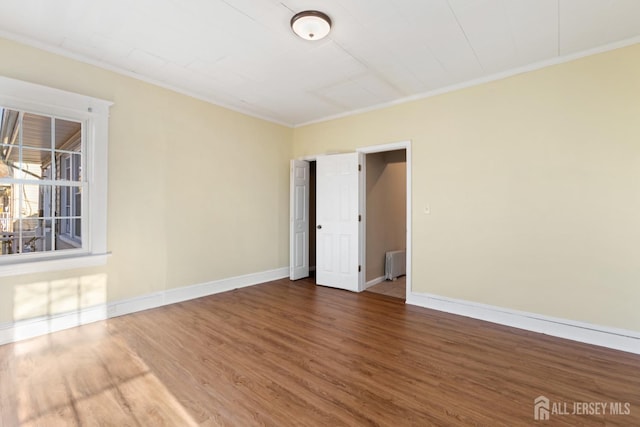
[(311, 25)]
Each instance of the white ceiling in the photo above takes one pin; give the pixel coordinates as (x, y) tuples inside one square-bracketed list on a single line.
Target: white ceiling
[(242, 54)]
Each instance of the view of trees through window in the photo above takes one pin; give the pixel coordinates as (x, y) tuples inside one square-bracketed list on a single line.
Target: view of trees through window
[(41, 183)]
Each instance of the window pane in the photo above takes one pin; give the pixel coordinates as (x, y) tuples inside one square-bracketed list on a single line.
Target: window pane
[(8, 241), (36, 131), (69, 166), (25, 235), (7, 235), (64, 240), (34, 164), (5, 207), (76, 167), (25, 170), (9, 141), (68, 135), (9, 128), (69, 211), (35, 235)]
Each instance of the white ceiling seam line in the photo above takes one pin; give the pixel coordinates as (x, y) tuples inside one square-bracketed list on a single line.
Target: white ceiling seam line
[(486, 79), (501, 75), (466, 37), (243, 55), (369, 68), (132, 74)]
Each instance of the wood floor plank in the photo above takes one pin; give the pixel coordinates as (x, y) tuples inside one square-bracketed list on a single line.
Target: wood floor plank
[(292, 353)]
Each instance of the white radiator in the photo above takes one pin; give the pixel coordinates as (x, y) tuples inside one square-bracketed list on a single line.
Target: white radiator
[(395, 264)]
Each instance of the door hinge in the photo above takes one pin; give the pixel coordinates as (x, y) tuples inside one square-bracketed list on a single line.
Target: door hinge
[(359, 168), (359, 218), (359, 268)]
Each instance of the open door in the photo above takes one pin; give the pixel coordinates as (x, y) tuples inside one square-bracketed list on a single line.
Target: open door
[(299, 220), (337, 234)]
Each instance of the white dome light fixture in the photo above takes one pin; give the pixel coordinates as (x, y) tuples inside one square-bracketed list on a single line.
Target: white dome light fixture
[(311, 25)]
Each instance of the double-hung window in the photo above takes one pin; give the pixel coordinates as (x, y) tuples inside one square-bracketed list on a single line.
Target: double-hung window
[(52, 179)]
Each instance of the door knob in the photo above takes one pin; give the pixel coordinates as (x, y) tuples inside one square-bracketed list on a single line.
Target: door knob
[(319, 227)]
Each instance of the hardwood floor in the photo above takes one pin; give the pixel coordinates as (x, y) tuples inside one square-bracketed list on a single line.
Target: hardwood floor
[(392, 288), (290, 353)]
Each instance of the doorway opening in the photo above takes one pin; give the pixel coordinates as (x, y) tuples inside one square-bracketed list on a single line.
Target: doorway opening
[(331, 196), (386, 222)]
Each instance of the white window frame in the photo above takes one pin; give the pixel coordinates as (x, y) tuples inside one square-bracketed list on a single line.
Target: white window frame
[(93, 113)]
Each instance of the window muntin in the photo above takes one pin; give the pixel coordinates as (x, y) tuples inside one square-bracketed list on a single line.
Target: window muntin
[(41, 184)]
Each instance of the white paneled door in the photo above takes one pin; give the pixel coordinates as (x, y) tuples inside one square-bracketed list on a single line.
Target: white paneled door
[(299, 220), (337, 218)]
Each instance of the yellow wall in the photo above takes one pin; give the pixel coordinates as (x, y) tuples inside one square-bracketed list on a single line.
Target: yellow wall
[(533, 184), (196, 192)]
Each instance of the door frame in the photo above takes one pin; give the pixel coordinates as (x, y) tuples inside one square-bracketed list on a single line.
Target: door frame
[(401, 145)]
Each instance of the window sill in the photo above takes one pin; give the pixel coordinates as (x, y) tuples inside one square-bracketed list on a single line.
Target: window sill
[(55, 264)]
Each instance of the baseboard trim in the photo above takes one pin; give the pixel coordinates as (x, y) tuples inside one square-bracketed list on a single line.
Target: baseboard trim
[(197, 291), (25, 329), (618, 339), (31, 328), (374, 282)]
